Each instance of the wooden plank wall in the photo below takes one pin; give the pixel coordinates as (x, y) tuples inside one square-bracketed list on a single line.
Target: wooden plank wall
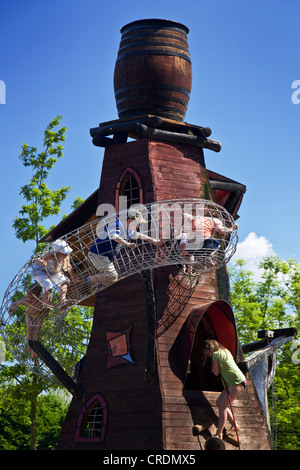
[(178, 171), (119, 157), (181, 408), (134, 403)]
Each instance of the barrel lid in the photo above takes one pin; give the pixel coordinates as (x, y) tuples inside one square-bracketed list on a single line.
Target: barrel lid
[(153, 22)]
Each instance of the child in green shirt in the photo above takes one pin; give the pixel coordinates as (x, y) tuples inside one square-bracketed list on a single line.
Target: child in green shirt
[(233, 380)]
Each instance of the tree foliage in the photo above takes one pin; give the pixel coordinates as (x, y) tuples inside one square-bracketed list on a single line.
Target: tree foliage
[(26, 400), (273, 302), (15, 422), (40, 201)]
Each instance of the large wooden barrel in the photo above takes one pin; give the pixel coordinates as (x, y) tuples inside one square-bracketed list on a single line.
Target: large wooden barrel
[(153, 71)]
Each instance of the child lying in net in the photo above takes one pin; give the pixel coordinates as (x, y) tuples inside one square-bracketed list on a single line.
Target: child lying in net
[(209, 230), (36, 312)]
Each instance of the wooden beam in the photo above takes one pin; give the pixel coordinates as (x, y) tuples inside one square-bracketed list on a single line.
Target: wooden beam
[(124, 126), (57, 370), (260, 355), (136, 128), (150, 331), (255, 345), (196, 140)]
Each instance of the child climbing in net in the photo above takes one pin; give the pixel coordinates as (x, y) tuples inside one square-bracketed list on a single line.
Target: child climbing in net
[(36, 312), (209, 229), (48, 271), (106, 247)]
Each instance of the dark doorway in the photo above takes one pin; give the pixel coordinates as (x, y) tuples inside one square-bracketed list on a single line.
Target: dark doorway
[(210, 321)]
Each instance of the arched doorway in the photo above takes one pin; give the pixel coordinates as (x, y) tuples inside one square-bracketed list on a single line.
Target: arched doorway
[(210, 321)]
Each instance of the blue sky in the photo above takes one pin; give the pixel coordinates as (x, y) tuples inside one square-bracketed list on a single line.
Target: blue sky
[(58, 58)]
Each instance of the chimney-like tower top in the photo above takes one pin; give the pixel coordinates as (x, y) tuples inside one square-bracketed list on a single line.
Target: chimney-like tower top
[(153, 72), (159, 23)]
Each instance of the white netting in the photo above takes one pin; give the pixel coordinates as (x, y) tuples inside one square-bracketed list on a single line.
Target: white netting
[(196, 234)]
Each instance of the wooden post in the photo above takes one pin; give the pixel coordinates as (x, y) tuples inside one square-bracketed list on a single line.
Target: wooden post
[(57, 370)]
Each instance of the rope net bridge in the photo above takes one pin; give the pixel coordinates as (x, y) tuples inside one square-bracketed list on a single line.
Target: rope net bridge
[(42, 303)]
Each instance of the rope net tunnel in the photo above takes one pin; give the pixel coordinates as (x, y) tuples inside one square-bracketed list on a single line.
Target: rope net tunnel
[(42, 302)]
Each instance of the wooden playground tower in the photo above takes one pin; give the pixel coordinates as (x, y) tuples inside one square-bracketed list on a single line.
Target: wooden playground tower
[(143, 386)]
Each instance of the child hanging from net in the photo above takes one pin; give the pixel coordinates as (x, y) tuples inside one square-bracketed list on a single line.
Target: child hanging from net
[(36, 312)]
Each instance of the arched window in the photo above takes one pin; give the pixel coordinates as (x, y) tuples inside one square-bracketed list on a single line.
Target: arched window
[(129, 185), (92, 421)]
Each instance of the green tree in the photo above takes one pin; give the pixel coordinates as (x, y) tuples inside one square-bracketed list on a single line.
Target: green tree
[(18, 402), (15, 413), (272, 302), (40, 203), (52, 412)]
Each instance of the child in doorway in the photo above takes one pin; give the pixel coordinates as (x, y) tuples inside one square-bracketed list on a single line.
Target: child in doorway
[(233, 380), (36, 312)]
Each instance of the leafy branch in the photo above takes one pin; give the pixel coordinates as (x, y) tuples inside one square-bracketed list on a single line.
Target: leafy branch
[(41, 201)]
